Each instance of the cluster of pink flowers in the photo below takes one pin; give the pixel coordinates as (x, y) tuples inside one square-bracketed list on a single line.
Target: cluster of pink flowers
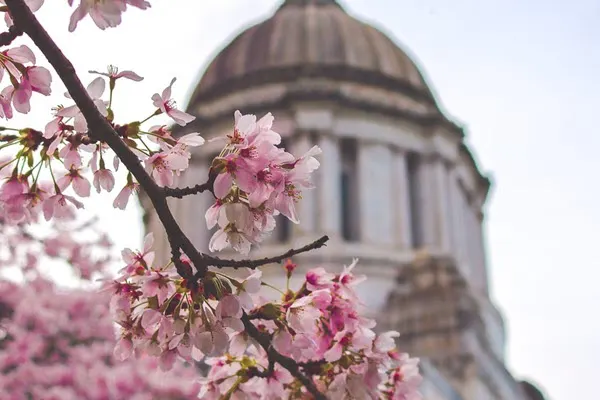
[(79, 244), (160, 315), (66, 145), (318, 326), (24, 80), (256, 181), (58, 345), (104, 13)]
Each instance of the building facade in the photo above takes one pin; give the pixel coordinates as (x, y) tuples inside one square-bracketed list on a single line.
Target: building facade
[(397, 187)]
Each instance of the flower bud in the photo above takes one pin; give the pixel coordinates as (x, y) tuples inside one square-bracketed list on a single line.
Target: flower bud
[(289, 267)]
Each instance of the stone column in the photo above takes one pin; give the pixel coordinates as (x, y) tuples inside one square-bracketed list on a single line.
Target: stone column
[(467, 229), (376, 191), (426, 195), (401, 201), (441, 208), (307, 206), (328, 187), (481, 256), (458, 232)]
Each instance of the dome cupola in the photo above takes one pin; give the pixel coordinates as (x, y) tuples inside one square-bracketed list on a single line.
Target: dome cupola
[(313, 50)]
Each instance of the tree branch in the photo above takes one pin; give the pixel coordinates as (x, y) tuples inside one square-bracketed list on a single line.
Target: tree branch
[(187, 191), (253, 264), (274, 357), (7, 38)]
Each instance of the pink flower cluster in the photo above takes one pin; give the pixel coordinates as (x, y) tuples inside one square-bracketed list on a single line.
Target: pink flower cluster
[(256, 181), (58, 345), (67, 151), (319, 328), (105, 13), (24, 80), (84, 250), (160, 315)]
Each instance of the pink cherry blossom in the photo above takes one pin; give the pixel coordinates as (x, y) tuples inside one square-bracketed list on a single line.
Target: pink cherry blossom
[(57, 206), (6, 110), (167, 105), (318, 278), (104, 179), (123, 197), (74, 178), (234, 221), (105, 14), (160, 170), (113, 74), (39, 79), (95, 89)]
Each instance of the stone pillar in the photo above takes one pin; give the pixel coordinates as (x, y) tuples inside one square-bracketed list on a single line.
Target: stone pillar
[(307, 206), (458, 232), (477, 251), (472, 242), (376, 191), (467, 230), (482, 259), (401, 201), (328, 188), (426, 195), (441, 208)]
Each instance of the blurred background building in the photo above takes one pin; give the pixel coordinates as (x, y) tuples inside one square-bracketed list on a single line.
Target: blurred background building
[(397, 186)]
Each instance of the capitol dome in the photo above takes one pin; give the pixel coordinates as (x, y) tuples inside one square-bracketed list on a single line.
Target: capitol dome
[(314, 50)]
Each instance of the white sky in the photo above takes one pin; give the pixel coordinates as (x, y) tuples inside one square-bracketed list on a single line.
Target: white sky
[(522, 76)]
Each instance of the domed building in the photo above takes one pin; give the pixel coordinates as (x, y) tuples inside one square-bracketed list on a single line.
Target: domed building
[(397, 187)]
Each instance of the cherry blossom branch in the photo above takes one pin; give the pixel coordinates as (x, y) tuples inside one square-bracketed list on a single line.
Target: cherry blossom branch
[(190, 190), (101, 129), (7, 38), (253, 264), (275, 357)]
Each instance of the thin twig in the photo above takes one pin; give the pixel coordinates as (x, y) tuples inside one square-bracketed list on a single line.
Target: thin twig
[(180, 193), (253, 264), (8, 37), (190, 190), (186, 191), (275, 357)]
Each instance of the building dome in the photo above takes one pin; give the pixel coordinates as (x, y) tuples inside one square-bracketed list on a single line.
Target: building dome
[(312, 40)]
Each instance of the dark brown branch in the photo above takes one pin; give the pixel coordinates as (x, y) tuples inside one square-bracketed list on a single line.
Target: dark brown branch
[(267, 373), (274, 357), (7, 38), (187, 191), (252, 264), (101, 129)]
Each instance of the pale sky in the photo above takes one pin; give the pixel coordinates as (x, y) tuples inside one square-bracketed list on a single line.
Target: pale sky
[(521, 75)]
